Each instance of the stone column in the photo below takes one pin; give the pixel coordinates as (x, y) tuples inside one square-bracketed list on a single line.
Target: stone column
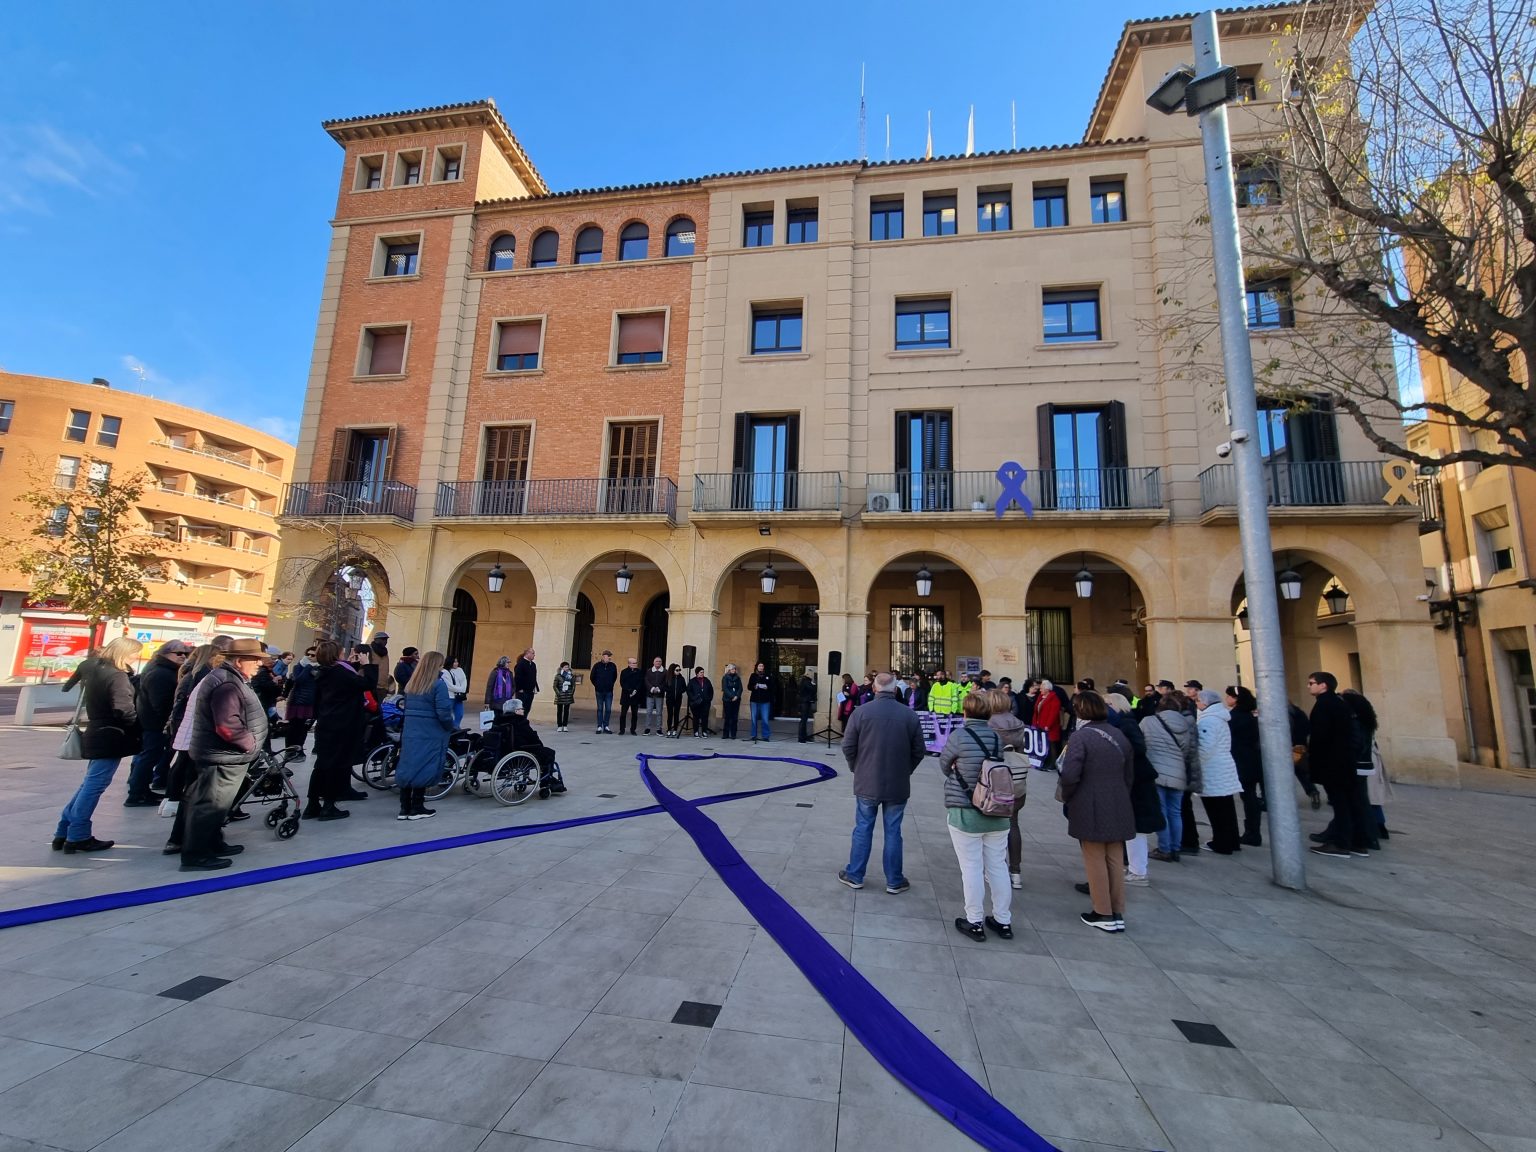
[(1397, 657), (845, 632), (1003, 648), (695, 626), (554, 627), (1191, 648)]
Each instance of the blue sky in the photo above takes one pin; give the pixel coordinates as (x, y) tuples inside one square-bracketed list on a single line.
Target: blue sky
[(167, 186)]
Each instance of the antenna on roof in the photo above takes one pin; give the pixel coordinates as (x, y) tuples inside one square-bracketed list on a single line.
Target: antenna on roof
[(863, 139), (887, 135), (1013, 119), (928, 155), (970, 133)]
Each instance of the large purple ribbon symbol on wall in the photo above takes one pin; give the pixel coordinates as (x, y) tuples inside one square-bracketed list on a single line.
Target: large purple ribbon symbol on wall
[(1011, 477)]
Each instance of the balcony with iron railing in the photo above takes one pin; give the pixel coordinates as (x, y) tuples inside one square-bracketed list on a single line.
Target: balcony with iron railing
[(595, 498), (1353, 488), (803, 495), (364, 499), (1115, 493), (1431, 504)]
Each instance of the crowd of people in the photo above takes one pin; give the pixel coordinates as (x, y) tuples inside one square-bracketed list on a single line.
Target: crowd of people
[(1127, 768), (1128, 765)]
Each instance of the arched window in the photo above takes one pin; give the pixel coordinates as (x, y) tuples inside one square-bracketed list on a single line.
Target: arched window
[(589, 245), (634, 241), (503, 253), (546, 246), (680, 237)]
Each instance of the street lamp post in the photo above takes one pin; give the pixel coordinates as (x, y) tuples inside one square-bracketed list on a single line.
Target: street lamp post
[(1205, 91)]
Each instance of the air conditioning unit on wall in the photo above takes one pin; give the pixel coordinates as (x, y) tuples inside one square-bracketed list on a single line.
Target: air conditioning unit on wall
[(883, 502)]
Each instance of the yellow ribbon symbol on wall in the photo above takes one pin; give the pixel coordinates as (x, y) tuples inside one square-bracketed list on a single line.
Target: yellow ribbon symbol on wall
[(1399, 475)]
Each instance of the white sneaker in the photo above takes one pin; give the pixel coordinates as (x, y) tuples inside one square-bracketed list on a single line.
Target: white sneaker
[(1138, 880), (168, 808), (1016, 880)]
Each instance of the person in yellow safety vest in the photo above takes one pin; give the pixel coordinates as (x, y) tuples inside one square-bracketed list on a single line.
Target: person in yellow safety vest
[(945, 695)]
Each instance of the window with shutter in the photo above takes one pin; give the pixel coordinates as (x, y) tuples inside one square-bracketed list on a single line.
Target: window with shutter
[(634, 241), (632, 457), (504, 472), (383, 351), (517, 345), (924, 460), (641, 338), (546, 249)]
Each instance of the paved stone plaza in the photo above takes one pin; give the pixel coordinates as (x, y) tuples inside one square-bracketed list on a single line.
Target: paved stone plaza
[(518, 996)]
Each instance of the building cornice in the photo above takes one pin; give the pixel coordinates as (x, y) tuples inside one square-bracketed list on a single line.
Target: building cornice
[(481, 114)]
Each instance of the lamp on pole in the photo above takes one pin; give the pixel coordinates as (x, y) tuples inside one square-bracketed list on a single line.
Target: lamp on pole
[(1205, 91)]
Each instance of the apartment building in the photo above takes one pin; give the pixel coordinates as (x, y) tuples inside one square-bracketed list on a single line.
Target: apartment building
[(917, 414), (212, 494), (1478, 540)]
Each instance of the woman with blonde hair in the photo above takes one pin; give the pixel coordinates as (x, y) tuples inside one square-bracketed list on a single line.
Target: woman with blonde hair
[(111, 732), (429, 723)]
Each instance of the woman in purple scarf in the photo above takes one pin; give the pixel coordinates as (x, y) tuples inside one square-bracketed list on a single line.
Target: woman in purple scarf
[(499, 686)]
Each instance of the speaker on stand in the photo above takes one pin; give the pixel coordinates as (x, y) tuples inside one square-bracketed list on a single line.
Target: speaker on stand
[(834, 669)]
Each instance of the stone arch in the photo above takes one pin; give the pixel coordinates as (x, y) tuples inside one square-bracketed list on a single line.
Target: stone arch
[(1099, 636), (510, 548), (655, 552), (829, 590), (974, 562), (1376, 595)]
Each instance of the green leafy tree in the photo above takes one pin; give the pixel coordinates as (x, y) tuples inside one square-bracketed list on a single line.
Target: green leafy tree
[(80, 539)]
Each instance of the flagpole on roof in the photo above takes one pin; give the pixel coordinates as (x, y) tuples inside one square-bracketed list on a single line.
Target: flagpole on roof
[(928, 154), (970, 133)]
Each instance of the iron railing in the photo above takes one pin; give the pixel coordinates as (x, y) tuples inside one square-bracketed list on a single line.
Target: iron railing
[(1308, 484), (1048, 490), (1431, 504), (351, 498), (767, 492), (591, 496)]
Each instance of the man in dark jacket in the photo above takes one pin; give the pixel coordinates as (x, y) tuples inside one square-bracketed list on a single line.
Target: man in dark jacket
[(525, 680), (1331, 754), (631, 692), (701, 694), (228, 726), (883, 745), (406, 668), (156, 693), (604, 675), (808, 705)]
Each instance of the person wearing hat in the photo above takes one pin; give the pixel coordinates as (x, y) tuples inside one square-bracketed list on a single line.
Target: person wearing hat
[(525, 739), (229, 724), (405, 668), (498, 686), (1192, 690), (153, 698)]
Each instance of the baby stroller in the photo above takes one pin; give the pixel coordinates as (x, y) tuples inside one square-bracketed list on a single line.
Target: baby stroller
[(269, 780)]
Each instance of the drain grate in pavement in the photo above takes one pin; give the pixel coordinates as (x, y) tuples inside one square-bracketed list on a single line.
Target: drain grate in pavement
[(695, 1013), (193, 988), (805, 805), (1197, 1033), (607, 795)]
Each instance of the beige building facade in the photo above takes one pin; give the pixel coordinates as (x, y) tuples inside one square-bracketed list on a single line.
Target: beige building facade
[(923, 414), (212, 493)]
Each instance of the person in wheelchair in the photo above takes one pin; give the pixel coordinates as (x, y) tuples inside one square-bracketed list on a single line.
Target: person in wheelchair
[(524, 739)]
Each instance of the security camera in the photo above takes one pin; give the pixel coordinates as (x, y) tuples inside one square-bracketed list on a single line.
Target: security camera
[(1239, 436), (1424, 599), (1224, 449)]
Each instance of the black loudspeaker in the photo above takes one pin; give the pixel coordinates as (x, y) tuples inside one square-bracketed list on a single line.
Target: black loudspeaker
[(834, 663), (689, 652)]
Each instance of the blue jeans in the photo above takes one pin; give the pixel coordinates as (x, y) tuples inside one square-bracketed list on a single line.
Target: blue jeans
[(458, 713), (1172, 834), (149, 766), (864, 837), (760, 717), (75, 820), (604, 709)]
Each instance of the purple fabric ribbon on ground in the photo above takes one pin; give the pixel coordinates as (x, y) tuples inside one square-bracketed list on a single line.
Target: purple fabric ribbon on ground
[(892, 1039)]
